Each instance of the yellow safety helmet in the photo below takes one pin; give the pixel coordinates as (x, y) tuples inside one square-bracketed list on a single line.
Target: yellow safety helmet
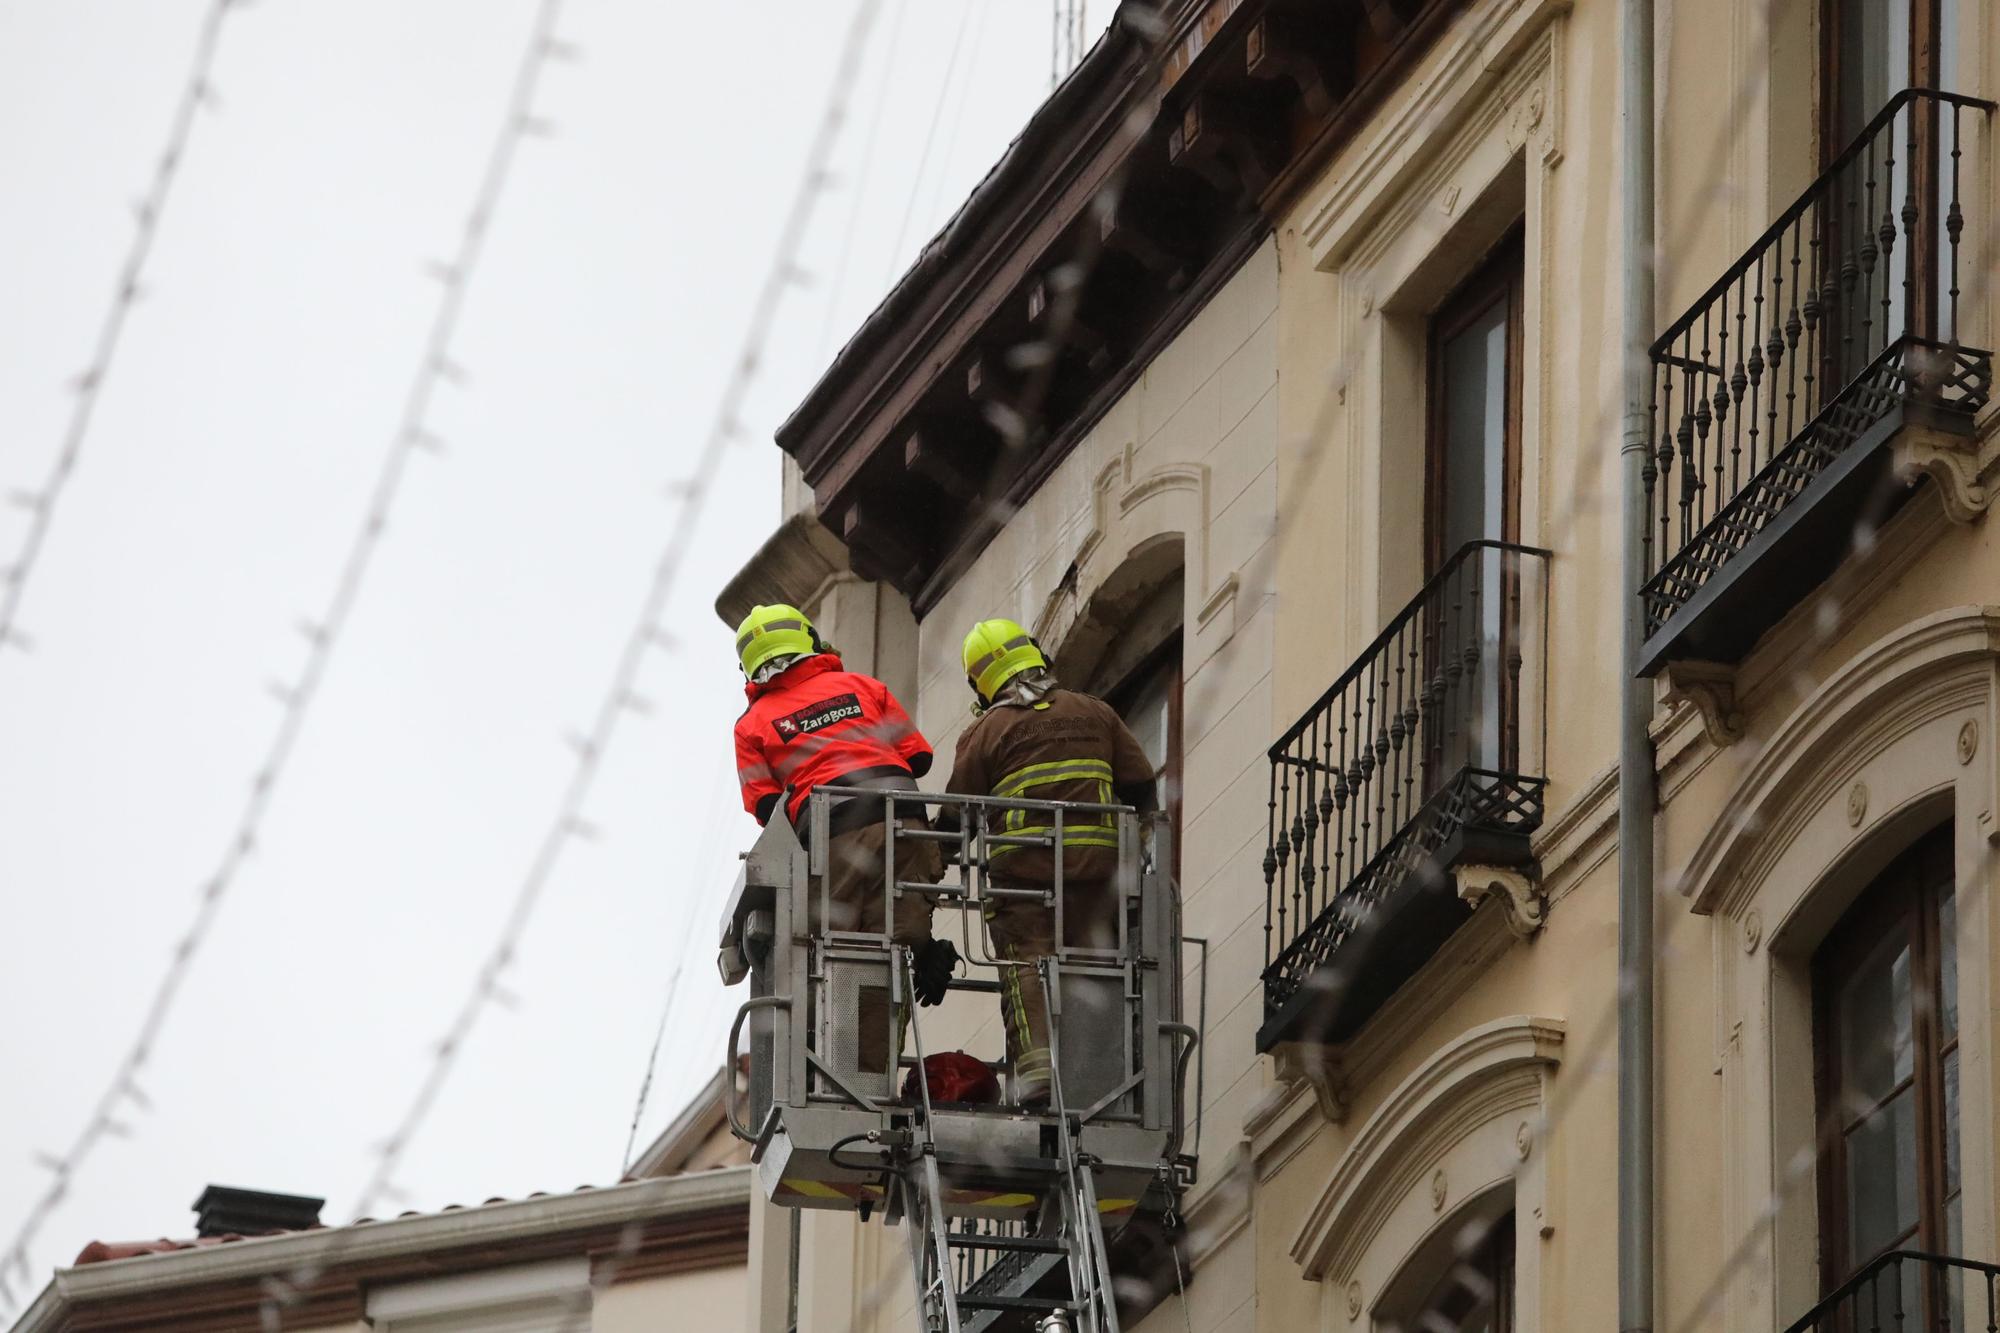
[(770, 631), (996, 651)]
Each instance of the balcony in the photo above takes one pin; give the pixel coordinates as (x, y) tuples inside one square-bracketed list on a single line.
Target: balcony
[(1905, 1291), (1779, 395), (1410, 766)]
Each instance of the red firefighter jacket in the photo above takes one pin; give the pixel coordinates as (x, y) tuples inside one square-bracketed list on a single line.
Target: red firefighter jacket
[(816, 723)]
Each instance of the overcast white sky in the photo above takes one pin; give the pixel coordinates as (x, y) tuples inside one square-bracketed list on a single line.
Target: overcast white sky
[(244, 420)]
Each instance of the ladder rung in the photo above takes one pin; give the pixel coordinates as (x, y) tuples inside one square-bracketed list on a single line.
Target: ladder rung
[(1031, 1304), (1021, 1244)]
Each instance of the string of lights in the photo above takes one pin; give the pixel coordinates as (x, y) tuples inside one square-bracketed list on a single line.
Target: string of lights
[(197, 93), (322, 634), (648, 634)]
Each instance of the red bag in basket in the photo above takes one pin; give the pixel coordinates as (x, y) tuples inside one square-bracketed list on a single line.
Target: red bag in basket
[(953, 1076)]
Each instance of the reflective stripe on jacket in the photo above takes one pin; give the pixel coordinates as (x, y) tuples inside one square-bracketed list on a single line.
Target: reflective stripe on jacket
[(1067, 747), (1082, 830)]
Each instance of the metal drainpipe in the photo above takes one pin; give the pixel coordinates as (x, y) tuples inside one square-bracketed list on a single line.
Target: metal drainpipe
[(1636, 799)]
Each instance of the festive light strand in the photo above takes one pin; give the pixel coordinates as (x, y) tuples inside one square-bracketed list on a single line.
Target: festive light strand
[(322, 635), (621, 697), (197, 93)]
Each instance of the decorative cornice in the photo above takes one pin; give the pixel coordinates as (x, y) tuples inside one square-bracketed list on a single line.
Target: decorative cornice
[(1576, 839), (1486, 1073), (1933, 666), (989, 360), (1403, 166), (793, 566), (1116, 495)]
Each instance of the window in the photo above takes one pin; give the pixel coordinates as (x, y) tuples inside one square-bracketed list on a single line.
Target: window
[(1472, 484), (1885, 991), (1870, 50), (1149, 699), (1475, 1292), (1873, 49), (1473, 464)]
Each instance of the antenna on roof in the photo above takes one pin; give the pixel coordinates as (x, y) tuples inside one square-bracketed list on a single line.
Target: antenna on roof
[(1067, 25)]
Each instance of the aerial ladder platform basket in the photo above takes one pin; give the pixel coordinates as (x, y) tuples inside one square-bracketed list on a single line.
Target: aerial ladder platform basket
[(1007, 1205)]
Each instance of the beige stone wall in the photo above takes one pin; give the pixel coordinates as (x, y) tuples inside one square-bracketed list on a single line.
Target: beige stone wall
[(714, 1300)]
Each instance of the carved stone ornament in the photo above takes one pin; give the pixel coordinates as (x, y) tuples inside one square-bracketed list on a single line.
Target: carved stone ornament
[(1753, 930), (1857, 804), (1439, 1189), (1524, 1140), (1968, 742), (1710, 688), (1961, 467), (1525, 907), (1321, 1070), (1354, 1299)]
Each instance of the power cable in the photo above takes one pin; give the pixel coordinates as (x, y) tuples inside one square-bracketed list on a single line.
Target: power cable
[(958, 112), (621, 697), (930, 141), (322, 635), (197, 92)]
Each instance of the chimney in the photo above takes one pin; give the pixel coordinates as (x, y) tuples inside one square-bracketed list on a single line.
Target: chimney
[(224, 1210)]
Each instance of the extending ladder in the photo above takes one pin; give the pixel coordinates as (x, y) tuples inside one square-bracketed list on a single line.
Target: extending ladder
[(1066, 1233)]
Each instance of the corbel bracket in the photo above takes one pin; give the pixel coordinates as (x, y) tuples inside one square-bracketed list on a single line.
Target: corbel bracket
[(1323, 1071), (1710, 687), (1961, 465), (1520, 895)]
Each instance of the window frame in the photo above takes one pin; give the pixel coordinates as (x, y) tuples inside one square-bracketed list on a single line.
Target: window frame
[(1924, 70), (1499, 276), (1166, 657), (1904, 896)]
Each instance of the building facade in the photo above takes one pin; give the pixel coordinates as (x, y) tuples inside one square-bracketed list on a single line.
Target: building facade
[(1273, 379)]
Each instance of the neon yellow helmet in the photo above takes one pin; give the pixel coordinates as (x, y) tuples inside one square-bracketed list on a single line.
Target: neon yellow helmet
[(769, 631), (996, 651)]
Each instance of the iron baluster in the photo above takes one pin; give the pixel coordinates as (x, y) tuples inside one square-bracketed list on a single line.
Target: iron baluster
[(1954, 224), (1756, 366), (1271, 862)]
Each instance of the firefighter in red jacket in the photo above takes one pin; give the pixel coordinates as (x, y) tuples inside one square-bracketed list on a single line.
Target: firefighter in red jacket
[(810, 723)]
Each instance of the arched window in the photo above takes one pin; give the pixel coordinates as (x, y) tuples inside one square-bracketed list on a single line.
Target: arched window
[(1885, 997), (1125, 646), (1461, 1281)]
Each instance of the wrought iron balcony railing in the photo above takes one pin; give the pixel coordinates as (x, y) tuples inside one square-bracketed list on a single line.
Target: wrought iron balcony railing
[(1411, 762), (1773, 393), (1905, 1291)]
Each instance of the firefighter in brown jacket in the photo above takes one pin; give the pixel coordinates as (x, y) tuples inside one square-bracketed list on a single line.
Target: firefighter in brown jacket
[(1037, 741)]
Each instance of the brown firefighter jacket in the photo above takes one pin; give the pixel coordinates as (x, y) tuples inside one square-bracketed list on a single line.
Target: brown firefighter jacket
[(1068, 747)]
